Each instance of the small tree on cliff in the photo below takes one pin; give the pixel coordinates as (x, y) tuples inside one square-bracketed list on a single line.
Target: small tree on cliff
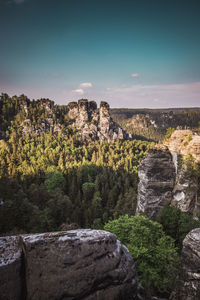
[(153, 252)]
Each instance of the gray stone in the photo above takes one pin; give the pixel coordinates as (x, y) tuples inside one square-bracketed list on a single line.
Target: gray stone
[(10, 269), (185, 188), (77, 264), (188, 282), (94, 124), (157, 177)]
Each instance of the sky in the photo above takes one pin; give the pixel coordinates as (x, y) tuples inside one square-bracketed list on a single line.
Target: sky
[(130, 53)]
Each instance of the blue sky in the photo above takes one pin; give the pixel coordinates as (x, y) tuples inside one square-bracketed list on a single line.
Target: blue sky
[(130, 53)]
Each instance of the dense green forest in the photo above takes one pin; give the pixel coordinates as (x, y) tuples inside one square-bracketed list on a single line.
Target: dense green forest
[(152, 124), (47, 179), (182, 116)]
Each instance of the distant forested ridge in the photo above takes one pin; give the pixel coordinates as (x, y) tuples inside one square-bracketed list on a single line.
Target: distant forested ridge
[(152, 124)]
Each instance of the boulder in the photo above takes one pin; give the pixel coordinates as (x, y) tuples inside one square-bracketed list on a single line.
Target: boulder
[(77, 264)]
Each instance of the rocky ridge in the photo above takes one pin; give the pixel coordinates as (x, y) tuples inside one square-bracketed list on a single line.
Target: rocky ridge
[(153, 123), (43, 115), (94, 124), (77, 264)]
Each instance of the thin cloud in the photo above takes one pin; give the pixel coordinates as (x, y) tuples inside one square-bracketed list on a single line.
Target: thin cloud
[(86, 85), (154, 96), (79, 91), (135, 75)]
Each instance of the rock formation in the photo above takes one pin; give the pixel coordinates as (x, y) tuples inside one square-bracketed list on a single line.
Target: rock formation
[(157, 178), (77, 264), (94, 124), (185, 188), (165, 177), (188, 282), (181, 144), (185, 142)]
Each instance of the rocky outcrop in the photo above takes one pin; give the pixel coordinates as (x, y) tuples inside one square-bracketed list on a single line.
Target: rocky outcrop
[(94, 124), (188, 282), (46, 104), (185, 142), (180, 187), (157, 178), (186, 187), (46, 108), (77, 264)]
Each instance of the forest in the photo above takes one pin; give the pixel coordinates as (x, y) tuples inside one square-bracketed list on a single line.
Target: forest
[(50, 179)]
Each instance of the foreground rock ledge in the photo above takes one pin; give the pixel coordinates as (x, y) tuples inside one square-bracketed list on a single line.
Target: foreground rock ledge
[(77, 264)]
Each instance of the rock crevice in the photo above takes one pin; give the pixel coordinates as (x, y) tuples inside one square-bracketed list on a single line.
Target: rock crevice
[(76, 264)]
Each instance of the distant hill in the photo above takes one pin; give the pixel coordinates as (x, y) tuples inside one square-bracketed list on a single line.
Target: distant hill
[(152, 124)]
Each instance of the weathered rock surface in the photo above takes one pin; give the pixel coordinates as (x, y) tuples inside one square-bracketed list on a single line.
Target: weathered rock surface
[(10, 268), (185, 142), (77, 264), (94, 124), (185, 189), (157, 178), (154, 189), (188, 283)]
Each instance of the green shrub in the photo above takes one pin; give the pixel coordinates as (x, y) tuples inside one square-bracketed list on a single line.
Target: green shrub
[(176, 224), (153, 252)]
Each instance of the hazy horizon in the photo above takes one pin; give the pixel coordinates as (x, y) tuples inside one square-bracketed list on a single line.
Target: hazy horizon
[(130, 53)]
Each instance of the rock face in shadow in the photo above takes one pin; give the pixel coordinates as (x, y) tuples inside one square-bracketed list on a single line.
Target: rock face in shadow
[(188, 283), (94, 124), (76, 264), (167, 177), (157, 178), (10, 269)]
